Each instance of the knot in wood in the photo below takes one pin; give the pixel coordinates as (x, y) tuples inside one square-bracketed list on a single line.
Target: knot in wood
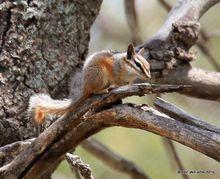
[(185, 33)]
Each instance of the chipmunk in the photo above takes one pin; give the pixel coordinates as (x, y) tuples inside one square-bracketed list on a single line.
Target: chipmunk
[(100, 71)]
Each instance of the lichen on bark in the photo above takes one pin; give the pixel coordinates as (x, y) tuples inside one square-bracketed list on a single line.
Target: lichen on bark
[(43, 42)]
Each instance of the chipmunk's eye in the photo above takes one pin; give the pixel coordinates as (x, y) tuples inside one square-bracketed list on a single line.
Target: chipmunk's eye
[(138, 64)]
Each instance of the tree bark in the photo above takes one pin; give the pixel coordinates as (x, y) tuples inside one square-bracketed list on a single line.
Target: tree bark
[(168, 51), (42, 43)]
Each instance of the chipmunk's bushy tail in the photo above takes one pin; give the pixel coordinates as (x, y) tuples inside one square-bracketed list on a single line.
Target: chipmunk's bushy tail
[(41, 105)]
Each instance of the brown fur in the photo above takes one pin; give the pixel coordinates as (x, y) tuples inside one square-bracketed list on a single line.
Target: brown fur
[(98, 74)]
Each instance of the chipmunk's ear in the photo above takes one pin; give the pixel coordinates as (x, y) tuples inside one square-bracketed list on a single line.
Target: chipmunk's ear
[(130, 51), (141, 51)]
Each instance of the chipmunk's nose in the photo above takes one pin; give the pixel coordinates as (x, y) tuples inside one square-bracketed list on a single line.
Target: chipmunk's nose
[(148, 75)]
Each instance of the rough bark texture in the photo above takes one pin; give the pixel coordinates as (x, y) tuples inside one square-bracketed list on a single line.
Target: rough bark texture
[(56, 133), (42, 42), (168, 51)]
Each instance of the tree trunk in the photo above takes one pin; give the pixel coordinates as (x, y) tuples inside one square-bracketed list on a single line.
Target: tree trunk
[(42, 42)]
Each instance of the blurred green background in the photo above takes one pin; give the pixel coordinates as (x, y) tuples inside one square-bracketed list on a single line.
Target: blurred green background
[(147, 150)]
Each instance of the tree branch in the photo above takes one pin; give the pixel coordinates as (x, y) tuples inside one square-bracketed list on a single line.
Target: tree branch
[(182, 116), (165, 5), (175, 157), (205, 85), (113, 160), (204, 36), (203, 140), (60, 127), (131, 17), (77, 163), (145, 118), (168, 51)]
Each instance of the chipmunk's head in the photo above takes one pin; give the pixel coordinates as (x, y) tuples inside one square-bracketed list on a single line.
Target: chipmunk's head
[(136, 63)]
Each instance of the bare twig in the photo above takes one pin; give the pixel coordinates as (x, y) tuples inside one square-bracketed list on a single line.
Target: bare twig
[(206, 51), (165, 5), (214, 34), (113, 160), (76, 162), (131, 16), (180, 115), (76, 173), (173, 153), (171, 150)]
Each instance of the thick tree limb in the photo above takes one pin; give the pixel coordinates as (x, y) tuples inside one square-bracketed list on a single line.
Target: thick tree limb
[(60, 127), (184, 10), (204, 36), (169, 48), (10, 151), (204, 84), (202, 140), (113, 160), (180, 115)]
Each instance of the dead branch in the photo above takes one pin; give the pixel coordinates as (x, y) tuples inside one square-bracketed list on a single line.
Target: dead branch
[(174, 155), (60, 127), (180, 115), (168, 51), (204, 84), (175, 160), (213, 34), (165, 5), (69, 142), (206, 51), (10, 151), (131, 18), (76, 162), (197, 138), (203, 140), (113, 160), (205, 37)]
